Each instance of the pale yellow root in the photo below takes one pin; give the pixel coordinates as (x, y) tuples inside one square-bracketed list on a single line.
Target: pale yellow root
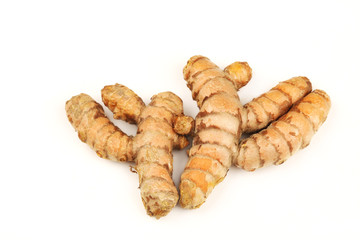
[(217, 127), (284, 137)]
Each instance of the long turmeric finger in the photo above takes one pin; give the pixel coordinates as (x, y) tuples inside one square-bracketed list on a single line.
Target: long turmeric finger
[(266, 108), (153, 143), (95, 129), (284, 137), (156, 138), (217, 127)]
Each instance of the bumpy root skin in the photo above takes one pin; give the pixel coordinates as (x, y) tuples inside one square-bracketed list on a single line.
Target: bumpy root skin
[(156, 135), (123, 102), (216, 140), (184, 125), (160, 128), (95, 129), (218, 126), (240, 73), (284, 137), (268, 107)]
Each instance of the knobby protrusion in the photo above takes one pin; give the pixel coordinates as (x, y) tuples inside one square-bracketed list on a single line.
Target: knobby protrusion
[(293, 131), (161, 127)]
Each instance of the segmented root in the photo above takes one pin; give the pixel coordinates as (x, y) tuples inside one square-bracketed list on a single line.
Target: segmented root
[(268, 107), (217, 127), (123, 102), (96, 130), (160, 125), (284, 137)]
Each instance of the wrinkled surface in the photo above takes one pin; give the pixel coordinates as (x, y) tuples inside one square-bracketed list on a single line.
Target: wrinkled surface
[(159, 127), (95, 129), (217, 127), (268, 107), (293, 131)]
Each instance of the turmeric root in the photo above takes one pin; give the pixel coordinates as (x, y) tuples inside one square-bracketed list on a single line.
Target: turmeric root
[(217, 126), (284, 137), (95, 129), (269, 106), (266, 108), (122, 102), (221, 121), (150, 148)]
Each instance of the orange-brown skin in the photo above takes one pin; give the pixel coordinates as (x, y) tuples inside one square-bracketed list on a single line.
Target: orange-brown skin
[(123, 102), (222, 119), (95, 129), (240, 74), (183, 125), (284, 137), (217, 126), (269, 106), (159, 125)]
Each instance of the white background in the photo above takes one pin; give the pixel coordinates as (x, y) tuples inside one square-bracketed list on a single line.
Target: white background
[(53, 186)]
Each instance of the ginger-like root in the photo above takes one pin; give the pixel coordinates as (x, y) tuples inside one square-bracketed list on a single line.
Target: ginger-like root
[(95, 129), (184, 125), (161, 126), (152, 146), (123, 102), (284, 137), (158, 126), (221, 121), (217, 127), (239, 73), (269, 106)]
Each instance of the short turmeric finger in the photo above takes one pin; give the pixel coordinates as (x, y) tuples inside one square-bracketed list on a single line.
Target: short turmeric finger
[(240, 73), (284, 137), (183, 125), (123, 102), (95, 129)]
